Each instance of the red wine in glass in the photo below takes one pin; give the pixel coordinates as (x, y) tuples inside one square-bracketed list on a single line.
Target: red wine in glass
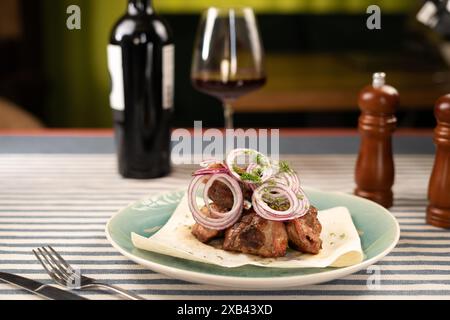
[(230, 90), (228, 60)]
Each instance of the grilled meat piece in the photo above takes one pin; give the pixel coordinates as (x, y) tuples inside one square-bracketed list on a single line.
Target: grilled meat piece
[(255, 235), (221, 195), (204, 234), (304, 233)]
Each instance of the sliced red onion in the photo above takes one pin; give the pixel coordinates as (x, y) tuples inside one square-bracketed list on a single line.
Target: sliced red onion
[(206, 163), (277, 191), (289, 179), (251, 185), (251, 167), (218, 220), (305, 205), (208, 171), (298, 202), (231, 183), (267, 169), (280, 185)]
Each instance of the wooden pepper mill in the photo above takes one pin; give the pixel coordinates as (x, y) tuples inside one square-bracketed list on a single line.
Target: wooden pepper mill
[(438, 211), (374, 174)]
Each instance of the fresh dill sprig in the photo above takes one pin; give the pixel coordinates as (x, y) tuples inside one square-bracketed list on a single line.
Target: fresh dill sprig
[(284, 167), (238, 169), (250, 177), (260, 160), (258, 172)]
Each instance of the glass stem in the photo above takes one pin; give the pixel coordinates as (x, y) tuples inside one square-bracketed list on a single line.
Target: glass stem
[(228, 114)]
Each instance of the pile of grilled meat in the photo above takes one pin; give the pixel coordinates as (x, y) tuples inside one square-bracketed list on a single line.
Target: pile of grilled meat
[(258, 236)]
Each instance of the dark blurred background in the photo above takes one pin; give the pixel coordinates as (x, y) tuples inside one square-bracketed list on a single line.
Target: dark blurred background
[(319, 55)]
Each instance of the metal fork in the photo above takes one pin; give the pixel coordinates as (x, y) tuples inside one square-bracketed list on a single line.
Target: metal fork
[(63, 274)]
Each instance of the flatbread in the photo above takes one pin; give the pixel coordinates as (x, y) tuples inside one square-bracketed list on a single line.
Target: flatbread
[(341, 243)]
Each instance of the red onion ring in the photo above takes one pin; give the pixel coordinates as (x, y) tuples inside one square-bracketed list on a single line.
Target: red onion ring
[(250, 168), (289, 179), (208, 171), (231, 185), (218, 220), (267, 170), (284, 185), (206, 163), (297, 207)]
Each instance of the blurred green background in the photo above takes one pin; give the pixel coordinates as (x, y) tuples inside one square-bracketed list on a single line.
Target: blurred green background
[(319, 55), (75, 61)]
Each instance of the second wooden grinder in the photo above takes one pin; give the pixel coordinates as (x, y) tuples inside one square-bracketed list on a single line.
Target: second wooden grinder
[(374, 173)]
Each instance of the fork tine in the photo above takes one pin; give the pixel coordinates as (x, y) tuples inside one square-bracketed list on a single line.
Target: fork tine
[(49, 272), (70, 271), (62, 269), (40, 260), (61, 259), (54, 268)]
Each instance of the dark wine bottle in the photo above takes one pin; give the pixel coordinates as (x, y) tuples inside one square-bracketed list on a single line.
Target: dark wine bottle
[(141, 67)]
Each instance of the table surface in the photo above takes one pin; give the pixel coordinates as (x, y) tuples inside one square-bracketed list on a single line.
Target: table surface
[(61, 188)]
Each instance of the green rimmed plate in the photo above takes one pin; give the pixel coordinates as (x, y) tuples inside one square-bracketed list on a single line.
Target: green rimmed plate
[(379, 232)]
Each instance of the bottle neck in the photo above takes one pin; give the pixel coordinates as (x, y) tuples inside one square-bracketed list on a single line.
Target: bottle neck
[(140, 7)]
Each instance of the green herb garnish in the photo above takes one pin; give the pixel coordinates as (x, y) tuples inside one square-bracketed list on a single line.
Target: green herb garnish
[(254, 176), (276, 203), (284, 167), (260, 160), (258, 172), (280, 207), (250, 177), (238, 169)]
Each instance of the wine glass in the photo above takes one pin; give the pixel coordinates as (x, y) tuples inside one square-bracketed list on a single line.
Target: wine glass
[(228, 59)]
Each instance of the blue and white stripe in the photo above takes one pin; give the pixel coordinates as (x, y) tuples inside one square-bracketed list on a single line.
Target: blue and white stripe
[(65, 200)]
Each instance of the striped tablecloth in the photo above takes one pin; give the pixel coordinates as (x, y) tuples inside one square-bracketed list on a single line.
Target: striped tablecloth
[(65, 200)]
